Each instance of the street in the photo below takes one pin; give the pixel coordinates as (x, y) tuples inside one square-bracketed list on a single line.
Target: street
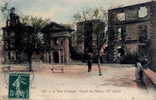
[(116, 83)]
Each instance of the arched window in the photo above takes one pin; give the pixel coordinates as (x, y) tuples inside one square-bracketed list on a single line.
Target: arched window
[(143, 12), (121, 16)]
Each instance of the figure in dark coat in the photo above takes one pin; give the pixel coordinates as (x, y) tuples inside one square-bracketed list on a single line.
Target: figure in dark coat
[(89, 62)]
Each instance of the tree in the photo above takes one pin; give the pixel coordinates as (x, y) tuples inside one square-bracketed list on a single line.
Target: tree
[(90, 14), (34, 38), (37, 23), (5, 10), (101, 39), (28, 35)]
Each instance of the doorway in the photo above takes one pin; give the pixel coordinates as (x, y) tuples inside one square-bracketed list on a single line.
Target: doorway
[(56, 57)]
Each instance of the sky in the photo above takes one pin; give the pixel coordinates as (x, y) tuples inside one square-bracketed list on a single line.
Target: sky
[(61, 11)]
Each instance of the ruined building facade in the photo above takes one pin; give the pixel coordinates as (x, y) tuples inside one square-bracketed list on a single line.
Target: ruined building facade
[(131, 31)]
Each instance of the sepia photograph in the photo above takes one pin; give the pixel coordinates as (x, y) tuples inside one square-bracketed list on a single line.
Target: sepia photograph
[(77, 49)]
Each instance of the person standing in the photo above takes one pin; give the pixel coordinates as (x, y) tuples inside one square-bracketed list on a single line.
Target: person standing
[(89, 62)]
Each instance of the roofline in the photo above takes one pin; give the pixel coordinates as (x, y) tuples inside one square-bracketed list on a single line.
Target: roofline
[(90, 20), (63, 28), (129, 6)]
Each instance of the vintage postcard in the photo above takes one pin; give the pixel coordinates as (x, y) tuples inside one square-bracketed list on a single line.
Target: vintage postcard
[(77, 50)]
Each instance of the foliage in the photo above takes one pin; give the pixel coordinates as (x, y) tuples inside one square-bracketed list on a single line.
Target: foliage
[(37, 39), (37, 22), (5, 10), (28, 37), (91, 13), (33, 38), (101, 35)]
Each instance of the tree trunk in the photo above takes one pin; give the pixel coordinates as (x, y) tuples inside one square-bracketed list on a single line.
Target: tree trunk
[(99, 66), (49, 57), (30, 65), (30, 62)]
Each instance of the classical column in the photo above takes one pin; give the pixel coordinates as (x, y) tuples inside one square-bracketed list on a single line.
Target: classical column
[(59, 53), (66, 50)]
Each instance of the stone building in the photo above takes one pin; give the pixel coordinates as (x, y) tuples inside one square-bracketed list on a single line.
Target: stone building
[(58, 36), (57, 40), (8, 37), (130, 31)]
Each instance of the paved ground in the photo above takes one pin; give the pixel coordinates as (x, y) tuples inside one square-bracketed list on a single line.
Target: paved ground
[(116, 83), (116, 76)]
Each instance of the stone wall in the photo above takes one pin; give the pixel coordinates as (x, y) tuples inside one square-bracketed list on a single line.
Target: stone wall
[(149, 78)]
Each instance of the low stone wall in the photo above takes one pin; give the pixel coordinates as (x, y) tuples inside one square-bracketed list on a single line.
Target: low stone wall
[(149, 78)]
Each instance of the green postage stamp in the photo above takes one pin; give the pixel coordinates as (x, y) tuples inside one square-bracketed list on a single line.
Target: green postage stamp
[(19, 85)]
